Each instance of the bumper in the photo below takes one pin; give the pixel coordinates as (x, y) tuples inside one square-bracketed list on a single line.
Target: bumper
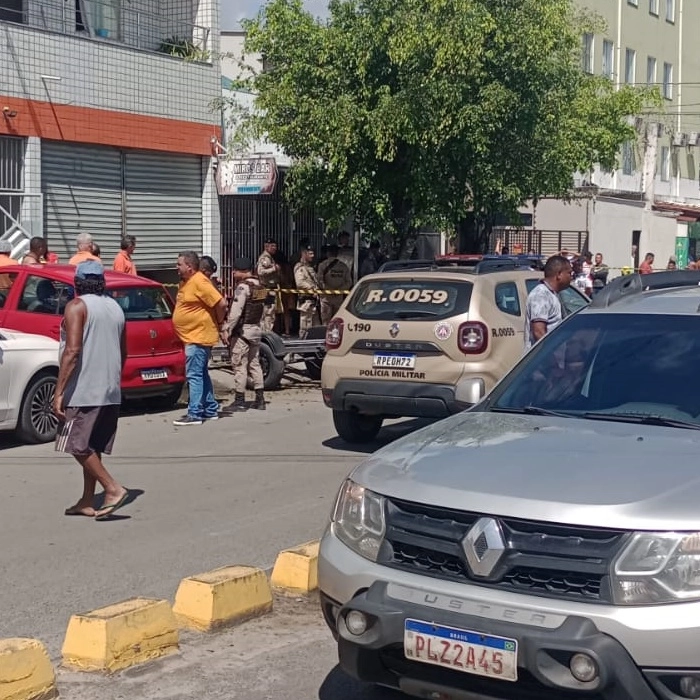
[(641, 652), (133, 384), (394, 398)]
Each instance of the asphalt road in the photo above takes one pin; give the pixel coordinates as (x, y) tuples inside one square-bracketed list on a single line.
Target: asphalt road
[(234, 491)]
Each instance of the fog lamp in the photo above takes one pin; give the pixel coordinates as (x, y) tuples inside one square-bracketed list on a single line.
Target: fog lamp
[(356, 622), (583, 668), (690, 686)]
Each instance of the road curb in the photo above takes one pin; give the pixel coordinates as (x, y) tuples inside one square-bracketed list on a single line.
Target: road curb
[(119, 636), (222, 597), (296, 569), (26, 672), (140, 630)]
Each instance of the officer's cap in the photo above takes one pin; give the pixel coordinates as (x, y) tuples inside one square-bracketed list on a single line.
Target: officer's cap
[(242, 264)]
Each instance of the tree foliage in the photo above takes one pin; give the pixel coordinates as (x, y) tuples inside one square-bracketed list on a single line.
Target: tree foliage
[(405, 113)]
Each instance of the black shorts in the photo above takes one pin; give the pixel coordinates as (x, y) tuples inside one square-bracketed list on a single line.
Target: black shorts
[(88, 429)]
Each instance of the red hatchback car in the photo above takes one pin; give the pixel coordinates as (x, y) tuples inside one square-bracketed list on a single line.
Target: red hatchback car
[(32, 299)]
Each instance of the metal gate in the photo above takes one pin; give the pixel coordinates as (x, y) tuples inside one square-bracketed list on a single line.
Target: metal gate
[(162, 205), (247, 221), (540, 242), (108, 192), (82, 188)]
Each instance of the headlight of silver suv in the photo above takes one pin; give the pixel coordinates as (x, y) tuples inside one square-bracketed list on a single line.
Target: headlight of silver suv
[(358, 519), (658, 567)]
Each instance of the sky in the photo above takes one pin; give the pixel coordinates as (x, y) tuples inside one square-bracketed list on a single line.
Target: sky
[(232, 11)]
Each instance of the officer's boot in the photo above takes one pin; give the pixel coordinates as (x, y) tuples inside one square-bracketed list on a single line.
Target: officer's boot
[(237, 405), (259, 400)]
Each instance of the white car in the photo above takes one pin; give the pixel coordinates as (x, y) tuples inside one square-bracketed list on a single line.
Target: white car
[(28, 371)]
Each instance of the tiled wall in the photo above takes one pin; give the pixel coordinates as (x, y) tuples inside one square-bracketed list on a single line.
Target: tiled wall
[(102, 75)]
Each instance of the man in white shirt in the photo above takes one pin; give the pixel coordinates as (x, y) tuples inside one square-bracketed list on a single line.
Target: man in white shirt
[(543, 310)]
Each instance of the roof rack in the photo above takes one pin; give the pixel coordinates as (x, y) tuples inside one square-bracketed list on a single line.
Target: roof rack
[(629, 285), (475, 265)]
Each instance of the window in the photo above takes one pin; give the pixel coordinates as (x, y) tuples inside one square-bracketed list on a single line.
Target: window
[(608, 51), (670, 10), (628, 159), (610, 364), (44, 296), (665, 163), (630, 66), (654, 7), (571, 300), (142, 303), (588, 52), (415, 300), (11, 11), (507, 299), (98, 17), (668, 81), (651, 70)]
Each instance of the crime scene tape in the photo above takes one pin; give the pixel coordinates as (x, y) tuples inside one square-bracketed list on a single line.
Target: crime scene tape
[(312, 291)]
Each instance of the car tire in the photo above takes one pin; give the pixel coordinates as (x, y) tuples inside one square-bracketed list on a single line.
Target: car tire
[(37, 422), (272, 367), (165, 402), (354, 427)]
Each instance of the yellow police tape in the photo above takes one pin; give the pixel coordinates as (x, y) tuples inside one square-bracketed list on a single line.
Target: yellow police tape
[(312, 291)]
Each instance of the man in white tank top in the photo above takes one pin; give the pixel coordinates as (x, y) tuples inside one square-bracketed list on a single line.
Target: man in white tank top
[(88, 391)]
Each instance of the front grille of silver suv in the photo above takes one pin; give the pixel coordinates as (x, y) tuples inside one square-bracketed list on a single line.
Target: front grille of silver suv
[(539, 558)]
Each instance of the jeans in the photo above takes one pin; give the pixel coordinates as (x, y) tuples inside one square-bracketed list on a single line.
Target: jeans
[(202, 403)]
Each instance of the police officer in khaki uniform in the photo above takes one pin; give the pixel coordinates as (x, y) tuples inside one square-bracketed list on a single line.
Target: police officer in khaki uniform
[(305, 278), (268, 273), (241, 331), (334, 275)]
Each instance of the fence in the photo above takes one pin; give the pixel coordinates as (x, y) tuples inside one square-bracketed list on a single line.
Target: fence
[(248, 221), (542, 242)]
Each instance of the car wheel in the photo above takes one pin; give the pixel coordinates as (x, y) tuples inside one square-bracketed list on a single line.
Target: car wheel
[(165, 402), (272, 367), (37, 421), (354, 427)]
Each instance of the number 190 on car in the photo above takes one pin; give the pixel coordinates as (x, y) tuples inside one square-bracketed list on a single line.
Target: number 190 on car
[(461, 650)]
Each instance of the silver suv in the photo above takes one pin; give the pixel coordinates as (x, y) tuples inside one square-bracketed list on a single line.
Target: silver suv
[(544, 544)]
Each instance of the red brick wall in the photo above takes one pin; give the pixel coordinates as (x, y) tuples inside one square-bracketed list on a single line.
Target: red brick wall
[(60, 122)]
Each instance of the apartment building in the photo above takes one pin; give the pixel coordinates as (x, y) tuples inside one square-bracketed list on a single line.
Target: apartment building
[(651, 201), (107, 127)]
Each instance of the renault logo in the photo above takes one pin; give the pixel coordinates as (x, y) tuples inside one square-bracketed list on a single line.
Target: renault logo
[(484, 546), (394, 330)]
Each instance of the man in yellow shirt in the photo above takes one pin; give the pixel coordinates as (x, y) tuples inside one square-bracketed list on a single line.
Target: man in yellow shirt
[(84, 243), (200, 311)]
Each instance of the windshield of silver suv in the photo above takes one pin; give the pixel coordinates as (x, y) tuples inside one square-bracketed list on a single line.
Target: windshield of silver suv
[(626, 367)]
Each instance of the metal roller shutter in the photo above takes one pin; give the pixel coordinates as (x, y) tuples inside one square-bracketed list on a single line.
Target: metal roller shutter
[(82, 188), (163, 206)]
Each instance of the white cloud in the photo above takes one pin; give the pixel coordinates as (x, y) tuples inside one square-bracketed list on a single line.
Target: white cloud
[(233, 11)]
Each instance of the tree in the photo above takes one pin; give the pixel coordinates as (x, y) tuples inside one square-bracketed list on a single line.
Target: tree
[(405, 113)]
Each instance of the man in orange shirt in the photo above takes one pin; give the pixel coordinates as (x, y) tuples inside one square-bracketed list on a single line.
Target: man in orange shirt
[(646, 268), (200, 311), (84, 243), (5, 250), (123, 262)]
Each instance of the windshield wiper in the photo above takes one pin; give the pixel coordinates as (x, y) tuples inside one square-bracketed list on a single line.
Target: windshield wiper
[(534, 411), (405, 315), (643, 419)]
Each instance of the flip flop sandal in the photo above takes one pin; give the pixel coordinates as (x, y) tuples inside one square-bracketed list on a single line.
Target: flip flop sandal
[(73, 511), (106, 511)]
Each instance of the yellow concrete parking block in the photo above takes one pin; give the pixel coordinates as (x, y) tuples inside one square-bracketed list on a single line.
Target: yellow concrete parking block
[(119, 636), (222, 597), (26, 672), (296, 569)]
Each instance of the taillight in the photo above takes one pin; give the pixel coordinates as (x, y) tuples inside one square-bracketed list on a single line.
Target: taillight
[(473, 338), (334, 333)]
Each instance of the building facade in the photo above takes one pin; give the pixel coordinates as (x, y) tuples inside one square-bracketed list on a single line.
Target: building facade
[(648, 202), (107, 125)]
